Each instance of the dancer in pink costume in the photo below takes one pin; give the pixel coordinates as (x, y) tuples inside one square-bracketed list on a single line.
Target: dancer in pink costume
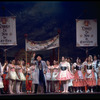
[(64, 74)]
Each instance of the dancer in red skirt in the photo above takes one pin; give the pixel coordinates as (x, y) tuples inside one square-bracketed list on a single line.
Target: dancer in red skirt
[(90, 77), (84, 70), (5, 81), (79, 79), (28, 82)]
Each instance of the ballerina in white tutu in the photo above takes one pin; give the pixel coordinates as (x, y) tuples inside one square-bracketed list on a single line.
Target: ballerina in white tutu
[(48, 76), (21, 76), (1, 82), (12, 76), (55, 73)]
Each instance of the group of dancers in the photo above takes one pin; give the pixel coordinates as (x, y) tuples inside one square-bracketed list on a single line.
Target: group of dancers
[(41, 76)]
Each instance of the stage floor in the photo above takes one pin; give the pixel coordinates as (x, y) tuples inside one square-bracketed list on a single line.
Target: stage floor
[(60, 96)]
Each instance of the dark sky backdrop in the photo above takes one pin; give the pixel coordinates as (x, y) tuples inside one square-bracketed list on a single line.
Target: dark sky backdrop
[(41, 20)]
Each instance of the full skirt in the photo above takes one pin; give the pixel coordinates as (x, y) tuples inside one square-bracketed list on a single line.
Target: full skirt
[(79, 79), (13, 75), (1, 83), (21, 76), (64, 75)]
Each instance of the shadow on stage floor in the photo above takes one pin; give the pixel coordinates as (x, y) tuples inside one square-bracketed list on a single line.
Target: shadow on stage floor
[(56, 96)]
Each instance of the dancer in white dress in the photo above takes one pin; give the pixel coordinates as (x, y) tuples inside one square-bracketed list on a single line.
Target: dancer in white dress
[(33, 75), (12, 76), (48, 76), (21, 77), (70, 84), (54, 75), (1, 82)]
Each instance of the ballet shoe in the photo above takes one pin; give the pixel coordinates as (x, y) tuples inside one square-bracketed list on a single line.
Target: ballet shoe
[(63, 91), (67, 92)]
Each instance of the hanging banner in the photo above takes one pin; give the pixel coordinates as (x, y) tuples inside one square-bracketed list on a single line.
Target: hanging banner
[(86, 32), (8, 31), (42, 45)]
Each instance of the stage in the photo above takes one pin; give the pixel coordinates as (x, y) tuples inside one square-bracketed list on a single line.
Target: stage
[(51, 96)]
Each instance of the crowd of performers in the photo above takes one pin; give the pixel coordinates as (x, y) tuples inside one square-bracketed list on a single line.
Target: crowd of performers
[(42, 77)]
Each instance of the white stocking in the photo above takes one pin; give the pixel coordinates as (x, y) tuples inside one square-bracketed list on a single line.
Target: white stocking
[(10, 86), (18, 87), (66, 86)]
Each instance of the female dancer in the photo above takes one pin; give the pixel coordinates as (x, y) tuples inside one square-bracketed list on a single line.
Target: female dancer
[(79, 79), (48, 76), (90, 78), (70, 83), (84, 64), (5, 81), (21, 76), (1, 82), (98, 83), (28, 80), (33, 75), (54, 75), (12, 76), (64, 74)]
